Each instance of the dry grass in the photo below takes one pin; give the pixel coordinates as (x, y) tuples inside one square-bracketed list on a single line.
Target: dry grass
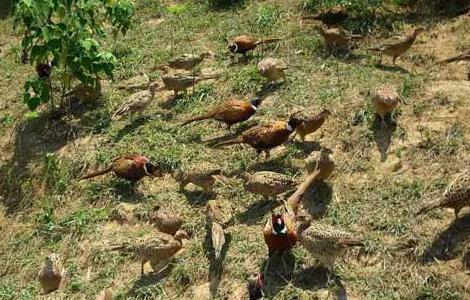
[(383, 176)]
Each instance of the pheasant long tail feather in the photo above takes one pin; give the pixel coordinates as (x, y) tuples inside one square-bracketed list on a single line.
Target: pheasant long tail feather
[(208, 76), (294, 200), (352, 242), (97, 173), (218, 239), (430, 206), (197, 118), (221, 178), (119, 247), (455, 58), (267, 41), (374, 48), (122, 110), (238, 140)]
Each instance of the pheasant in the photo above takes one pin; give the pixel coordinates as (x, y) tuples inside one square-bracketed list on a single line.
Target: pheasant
[(44, 70), (165, 221), (157, 249), (244, 43), (230, 112), (218, 215), (265, 137), (280, 235), (322, 169), (51, 274), (311, 124), (180, 82), (456, 196), (255, 287), (321, 162), (336, 38), (138, 102), (188, 61), (462, 56), (220, 211), (397, 49), (203, 175), (267, 183), (272, 69), (132, 167), (324, 242), (384, 99)]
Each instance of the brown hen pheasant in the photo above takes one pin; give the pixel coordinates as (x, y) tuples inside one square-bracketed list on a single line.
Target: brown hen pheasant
[(157, 249), (456, 196)]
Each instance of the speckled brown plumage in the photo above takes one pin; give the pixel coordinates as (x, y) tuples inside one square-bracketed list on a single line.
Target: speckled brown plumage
[(178, 82), (188, 61), (137, 102), (218, 214), (456, 196), (326, 243), (310, 124), (267, 183), (157, 249), (272, 69), (265, 137), (203, 174), (384, 100), (165, 221), (220, 211)]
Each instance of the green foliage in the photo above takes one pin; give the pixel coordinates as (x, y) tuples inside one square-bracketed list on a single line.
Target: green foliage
[(6, 120), (247, 80), (224, 4), (54, 173), (66, 33), (36, 91), (77, 223), (177, 9), (120, 15), (268, 15)]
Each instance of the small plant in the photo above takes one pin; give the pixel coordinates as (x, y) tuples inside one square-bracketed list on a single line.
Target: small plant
[(247, 80), (61, 37), (268, 15), (6, 120), (54, 173)]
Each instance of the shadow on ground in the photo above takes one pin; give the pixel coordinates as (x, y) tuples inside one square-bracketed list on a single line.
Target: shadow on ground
[(32, 139), (383, 136), (450, 243)]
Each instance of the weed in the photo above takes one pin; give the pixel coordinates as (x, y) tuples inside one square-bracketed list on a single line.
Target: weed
[(55, 174), (268, 15), (247, 80)]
